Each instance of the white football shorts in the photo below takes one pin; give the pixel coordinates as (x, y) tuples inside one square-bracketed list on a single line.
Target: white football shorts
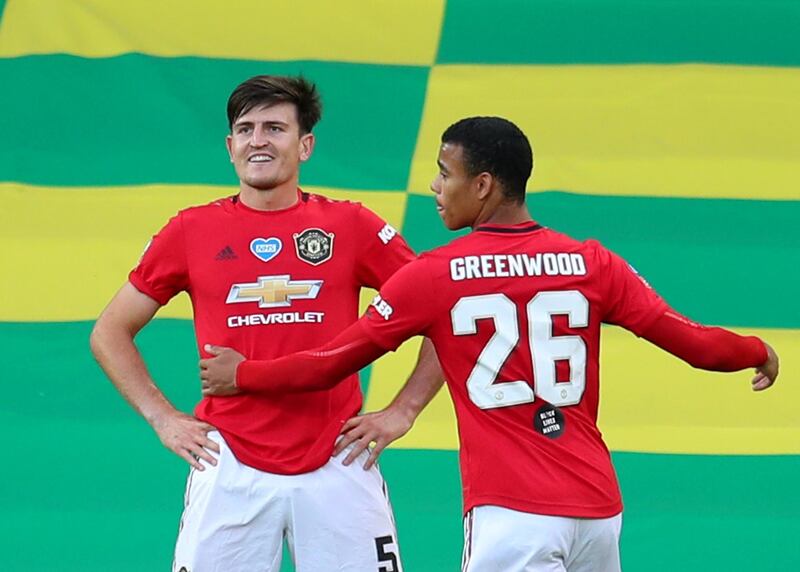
[(335, 518), (497, 538)]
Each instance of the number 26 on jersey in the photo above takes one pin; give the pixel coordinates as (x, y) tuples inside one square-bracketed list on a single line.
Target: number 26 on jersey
[(545, 348)]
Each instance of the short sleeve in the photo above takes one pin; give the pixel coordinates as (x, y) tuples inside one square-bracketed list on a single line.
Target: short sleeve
[(381, 251), (163, 272), (630, 301), (404, 307)]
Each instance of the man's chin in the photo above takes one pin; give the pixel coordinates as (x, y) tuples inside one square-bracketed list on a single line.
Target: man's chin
[(263, 184)]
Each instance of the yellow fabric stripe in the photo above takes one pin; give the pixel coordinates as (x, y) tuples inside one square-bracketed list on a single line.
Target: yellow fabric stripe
[(670, 130), (650, 401), (385, 31), (66, 251)]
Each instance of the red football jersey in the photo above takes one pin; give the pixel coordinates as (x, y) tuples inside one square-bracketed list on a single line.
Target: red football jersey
[(269, 283), (514, 313)]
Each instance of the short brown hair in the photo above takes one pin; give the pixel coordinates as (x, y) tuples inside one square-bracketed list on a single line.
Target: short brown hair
[(273, 89)]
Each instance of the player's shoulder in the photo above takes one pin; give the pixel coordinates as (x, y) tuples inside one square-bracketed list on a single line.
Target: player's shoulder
[(590, 247), (331, 209), (224, 205), (446, 251), (315, 200), (595, 250)]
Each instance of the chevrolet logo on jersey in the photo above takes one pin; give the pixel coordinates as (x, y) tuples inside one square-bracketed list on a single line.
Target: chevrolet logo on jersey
[(274, 291)]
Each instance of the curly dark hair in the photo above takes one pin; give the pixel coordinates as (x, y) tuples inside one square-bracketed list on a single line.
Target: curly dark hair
[(494, 145)]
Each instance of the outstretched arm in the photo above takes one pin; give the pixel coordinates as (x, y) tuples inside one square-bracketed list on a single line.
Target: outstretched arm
[(114, 349), (321, 368), (715, 349)]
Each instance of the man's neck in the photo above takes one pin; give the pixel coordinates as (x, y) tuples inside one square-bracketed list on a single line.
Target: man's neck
[(275, 199), (505, 214)]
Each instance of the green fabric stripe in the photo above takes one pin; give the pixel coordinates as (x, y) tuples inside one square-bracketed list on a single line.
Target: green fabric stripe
[(93, 479), (137, 119), (620, 31), (724, 262)]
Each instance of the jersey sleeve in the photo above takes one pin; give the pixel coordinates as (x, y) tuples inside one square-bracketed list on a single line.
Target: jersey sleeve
[(380, 250), (163, 271), (404, 307), (705, 347), (630, 301)]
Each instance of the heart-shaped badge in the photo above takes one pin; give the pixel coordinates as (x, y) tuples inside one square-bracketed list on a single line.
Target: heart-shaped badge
[(265, 249)]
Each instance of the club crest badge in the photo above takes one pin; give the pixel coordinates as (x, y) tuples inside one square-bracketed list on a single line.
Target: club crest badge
[(314, 246)]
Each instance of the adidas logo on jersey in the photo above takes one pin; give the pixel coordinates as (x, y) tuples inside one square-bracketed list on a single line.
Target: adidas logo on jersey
[(226, 253)]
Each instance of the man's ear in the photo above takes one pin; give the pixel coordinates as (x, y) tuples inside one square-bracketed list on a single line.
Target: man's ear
[(228, 143), (307, 142), (486, 183)]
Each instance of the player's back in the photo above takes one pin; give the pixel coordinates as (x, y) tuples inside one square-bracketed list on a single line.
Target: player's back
[(517, 328)]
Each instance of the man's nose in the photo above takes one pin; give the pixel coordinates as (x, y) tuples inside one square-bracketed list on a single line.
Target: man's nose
[(259, 138)]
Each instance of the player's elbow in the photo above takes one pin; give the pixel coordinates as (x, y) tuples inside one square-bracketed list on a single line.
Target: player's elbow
[(103, 336), (97, 339)]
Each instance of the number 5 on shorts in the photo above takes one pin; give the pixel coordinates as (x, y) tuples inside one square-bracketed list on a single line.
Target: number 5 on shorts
[(386, 555)]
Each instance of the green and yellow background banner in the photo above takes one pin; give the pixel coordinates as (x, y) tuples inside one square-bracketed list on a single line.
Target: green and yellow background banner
[(670, 131)]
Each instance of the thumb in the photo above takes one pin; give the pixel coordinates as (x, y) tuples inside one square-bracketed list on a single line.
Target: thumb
[(213, 350)]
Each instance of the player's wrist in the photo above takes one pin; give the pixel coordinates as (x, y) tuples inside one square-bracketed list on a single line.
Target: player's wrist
[(768, 352), (236, 376), (157, 416), (406, 410)]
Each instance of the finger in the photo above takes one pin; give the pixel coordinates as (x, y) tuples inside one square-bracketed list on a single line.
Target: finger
[(204, 363), (189, 458), (211, 445), (200, 453), (358, 447), (351, 424), (373, 456), (204, 375), (344, 442), (213, 350), (761, 384)]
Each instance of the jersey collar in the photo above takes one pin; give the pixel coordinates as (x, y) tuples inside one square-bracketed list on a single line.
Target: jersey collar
[(519, 228)]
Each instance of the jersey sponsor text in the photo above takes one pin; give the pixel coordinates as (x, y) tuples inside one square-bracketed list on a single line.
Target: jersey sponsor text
[(279, 318), (387, 233), (382, 307)]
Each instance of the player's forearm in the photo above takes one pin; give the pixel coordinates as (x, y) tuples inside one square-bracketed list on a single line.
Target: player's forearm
[(113, 348), (423, 384), (317, 369), (709, 348)]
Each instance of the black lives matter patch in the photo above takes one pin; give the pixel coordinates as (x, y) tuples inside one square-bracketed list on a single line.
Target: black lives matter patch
[(314, 246), (549, 421)]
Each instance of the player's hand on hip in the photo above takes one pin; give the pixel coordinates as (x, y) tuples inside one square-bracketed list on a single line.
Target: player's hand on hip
[(373, 431), (767, 373), (218, 374), (187, 437)]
